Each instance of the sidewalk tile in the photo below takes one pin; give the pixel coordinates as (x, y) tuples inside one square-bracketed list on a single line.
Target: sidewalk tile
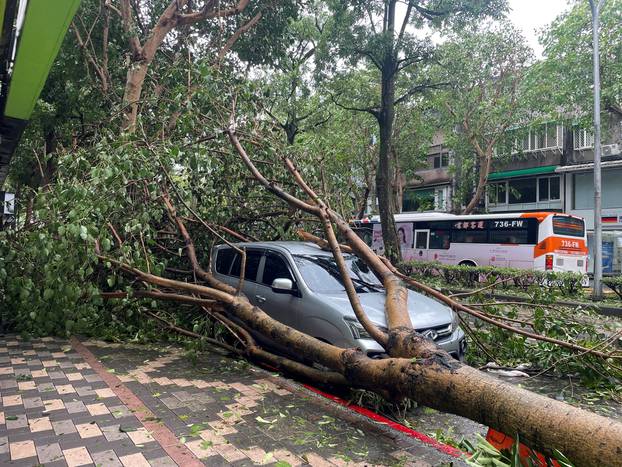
[(75, 407), (230, 452), (32, 402), (53, 404), (201, 449), (39, 424), (63, 427), (88, 430), (254, 453), (21, 421), (286, 456), (212, 437), (10, 401), (65, 389), (39, 373), (134, 460), (22, 450), (97, 409), (26, 385), (317, 461), (105, 393), (48, 453), (106, 458), (113, 433), (4, 445), (77, 456), (140, 436), (74, 376), (165, 461)]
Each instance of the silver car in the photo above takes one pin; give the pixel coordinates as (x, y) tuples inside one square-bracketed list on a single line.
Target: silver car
[(299, 284)]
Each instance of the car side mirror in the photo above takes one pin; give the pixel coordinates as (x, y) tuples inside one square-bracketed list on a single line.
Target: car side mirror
[(282, 285)]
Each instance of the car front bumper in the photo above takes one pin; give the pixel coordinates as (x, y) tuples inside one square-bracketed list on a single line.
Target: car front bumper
[(455, 345)]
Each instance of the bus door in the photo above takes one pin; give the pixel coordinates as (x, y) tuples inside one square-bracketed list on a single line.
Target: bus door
[(422, 243)]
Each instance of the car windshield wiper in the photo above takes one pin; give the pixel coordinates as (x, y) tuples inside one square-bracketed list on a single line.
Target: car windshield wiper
[(366, 284)]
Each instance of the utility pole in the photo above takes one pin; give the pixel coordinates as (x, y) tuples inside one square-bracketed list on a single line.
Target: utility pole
[(597, 245)]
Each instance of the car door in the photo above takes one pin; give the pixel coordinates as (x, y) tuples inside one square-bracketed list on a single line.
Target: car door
[(422, 239), (280, 306)]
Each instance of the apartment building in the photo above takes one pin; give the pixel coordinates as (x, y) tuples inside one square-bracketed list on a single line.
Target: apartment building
[(550, 169)]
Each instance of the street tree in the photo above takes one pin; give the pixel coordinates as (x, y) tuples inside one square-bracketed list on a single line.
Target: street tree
[(484, 68), (561, 83), (384, 38)]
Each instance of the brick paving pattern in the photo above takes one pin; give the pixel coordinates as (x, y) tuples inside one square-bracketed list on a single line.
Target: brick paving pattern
[(57, 410)]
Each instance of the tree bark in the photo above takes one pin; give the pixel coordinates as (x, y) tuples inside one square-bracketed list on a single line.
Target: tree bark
[(484, 171), (433, 378), (143, 55), (386, 118)]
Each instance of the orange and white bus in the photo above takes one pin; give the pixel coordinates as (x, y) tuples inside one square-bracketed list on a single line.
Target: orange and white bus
[(546, 241)]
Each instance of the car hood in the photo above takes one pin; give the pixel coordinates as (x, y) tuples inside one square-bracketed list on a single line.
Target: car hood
[(424, 312)]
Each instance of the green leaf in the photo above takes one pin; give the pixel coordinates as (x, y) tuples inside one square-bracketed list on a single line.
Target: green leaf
[(263, 420)]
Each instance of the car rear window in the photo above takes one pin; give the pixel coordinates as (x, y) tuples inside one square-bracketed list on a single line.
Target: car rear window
[(570, 226)]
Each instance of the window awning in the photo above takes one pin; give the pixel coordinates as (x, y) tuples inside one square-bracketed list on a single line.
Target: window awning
[(588, 167), (546, 169)]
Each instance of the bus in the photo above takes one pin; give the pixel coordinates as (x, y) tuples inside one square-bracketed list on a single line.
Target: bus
[(546, 241)]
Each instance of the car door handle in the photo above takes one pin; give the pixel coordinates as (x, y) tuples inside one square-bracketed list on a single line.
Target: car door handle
[(260, 299)]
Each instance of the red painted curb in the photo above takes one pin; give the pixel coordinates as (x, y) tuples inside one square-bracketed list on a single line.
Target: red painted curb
[(444, 448), (165, 437)]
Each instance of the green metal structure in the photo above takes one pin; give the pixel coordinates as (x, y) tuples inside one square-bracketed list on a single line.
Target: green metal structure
[(32, 33), (522, 172)]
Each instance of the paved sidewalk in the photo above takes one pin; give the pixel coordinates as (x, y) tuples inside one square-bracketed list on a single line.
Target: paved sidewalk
[(71, 403)]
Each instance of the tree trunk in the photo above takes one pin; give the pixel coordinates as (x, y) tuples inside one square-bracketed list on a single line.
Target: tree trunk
[(432, 378), (133, 88), (484, 171), (384, 173)]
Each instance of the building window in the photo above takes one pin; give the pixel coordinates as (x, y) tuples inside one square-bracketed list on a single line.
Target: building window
[(583, 139), (497, 193), (418, 200), (425, 199), (441, 160), (540, 137), (524, 190), (548, 189), (583, 189)]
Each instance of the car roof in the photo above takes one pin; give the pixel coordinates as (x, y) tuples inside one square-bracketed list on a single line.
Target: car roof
[(293, 247)]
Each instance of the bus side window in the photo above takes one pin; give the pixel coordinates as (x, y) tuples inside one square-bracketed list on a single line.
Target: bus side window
[(439, 240), (468, 236)]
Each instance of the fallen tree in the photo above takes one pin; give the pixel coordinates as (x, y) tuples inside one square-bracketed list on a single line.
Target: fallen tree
[(416, 368)]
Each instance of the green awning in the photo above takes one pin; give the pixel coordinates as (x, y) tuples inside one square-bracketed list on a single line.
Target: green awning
[(546, 169)]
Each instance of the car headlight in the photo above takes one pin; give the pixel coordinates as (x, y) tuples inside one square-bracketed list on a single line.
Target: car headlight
[(357, 329), (455, 321)]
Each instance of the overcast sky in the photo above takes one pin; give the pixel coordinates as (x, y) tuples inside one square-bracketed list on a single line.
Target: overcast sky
[(531, 15)]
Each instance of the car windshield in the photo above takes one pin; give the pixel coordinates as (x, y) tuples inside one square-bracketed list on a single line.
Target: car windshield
[(321, 274)]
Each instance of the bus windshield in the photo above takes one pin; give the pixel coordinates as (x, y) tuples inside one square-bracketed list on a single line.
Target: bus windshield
[(570, 226)]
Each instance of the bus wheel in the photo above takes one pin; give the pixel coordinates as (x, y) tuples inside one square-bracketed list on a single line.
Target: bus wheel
[(471, 264)]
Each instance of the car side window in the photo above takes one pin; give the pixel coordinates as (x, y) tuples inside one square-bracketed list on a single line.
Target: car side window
[(223, 260), (275, 267), (252, 264)]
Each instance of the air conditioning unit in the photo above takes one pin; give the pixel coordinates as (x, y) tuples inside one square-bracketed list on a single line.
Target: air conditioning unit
[(611, 150)]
